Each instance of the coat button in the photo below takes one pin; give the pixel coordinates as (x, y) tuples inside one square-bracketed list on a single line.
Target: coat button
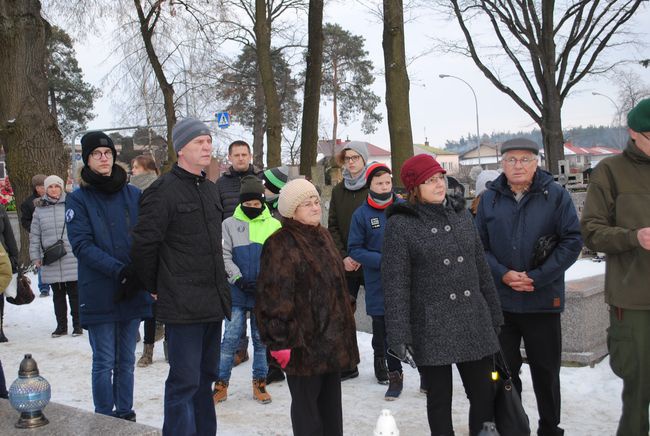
[(467, 293), (447, 228), (452, 296), (446, 262), (460, 259), (434, 230)]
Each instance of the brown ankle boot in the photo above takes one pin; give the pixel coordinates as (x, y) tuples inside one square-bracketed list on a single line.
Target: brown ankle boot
[(147, 356), (259, 391), (220, 392)]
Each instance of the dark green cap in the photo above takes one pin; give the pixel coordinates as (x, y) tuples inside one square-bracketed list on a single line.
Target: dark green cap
[(639, 118)]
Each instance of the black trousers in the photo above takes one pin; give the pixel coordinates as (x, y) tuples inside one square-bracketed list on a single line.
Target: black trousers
[(542, 335), (316, 405), (150, 327), (379, 343), (60, 290), (476, 376)]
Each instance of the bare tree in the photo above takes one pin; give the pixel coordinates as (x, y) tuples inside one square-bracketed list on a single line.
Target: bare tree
[(313, 77), (551, 48), (397, 86), (28, 131)]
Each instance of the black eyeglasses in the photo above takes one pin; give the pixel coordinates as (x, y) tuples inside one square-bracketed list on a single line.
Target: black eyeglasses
[(96, 154)]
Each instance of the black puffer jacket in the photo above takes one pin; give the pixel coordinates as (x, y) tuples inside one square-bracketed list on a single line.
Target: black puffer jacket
[(177, 249), (229, 184)]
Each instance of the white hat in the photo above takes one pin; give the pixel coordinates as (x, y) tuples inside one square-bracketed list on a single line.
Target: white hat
[(294, 193), (482, 180), (54, 180)]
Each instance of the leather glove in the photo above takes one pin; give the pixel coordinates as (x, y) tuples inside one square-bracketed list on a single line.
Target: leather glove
[(403, 352), (129, 285), (282, 356)]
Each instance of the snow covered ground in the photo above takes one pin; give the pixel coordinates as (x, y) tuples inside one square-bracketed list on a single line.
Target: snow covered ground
[(590, 396)]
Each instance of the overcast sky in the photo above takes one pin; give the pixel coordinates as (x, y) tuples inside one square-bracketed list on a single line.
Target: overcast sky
[(441, 109)]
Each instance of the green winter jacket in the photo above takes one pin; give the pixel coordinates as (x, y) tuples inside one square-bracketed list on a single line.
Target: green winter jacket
[(617, 205)]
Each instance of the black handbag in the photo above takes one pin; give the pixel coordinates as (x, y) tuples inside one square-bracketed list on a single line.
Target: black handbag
[(509, 414), (24, 293), (55, 251)]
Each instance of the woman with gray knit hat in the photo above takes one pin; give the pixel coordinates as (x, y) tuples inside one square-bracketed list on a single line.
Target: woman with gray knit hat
[(304, 312), (48, 227), (441, 305), (347, 196)]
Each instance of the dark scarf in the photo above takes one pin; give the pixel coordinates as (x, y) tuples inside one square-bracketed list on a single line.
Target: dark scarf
[(107, 184), (252, 212), (380, 201)]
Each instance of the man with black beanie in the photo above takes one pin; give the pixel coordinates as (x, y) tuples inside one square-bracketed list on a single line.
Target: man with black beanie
[(177, 253), (99, 218)]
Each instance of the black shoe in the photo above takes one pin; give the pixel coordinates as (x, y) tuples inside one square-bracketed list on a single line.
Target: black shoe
[(275, 374), (3, 338), (381, 370), (395, 387), (128, 416), (44, 294), (59, 332), (77, 331), (350, 373)]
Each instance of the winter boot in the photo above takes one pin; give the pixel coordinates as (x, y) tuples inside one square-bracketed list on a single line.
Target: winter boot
[(60, 331), (349, 373), (259, 392), (275, 374), (423, 385), (147, 356), (3, 338), (77, 331), (241, 356), (166, 351), (396, 380), (160, 331), (381, 370), (220, 391)]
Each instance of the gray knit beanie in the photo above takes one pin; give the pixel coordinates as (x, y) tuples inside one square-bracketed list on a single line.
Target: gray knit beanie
[(186, 130), (359, 147)]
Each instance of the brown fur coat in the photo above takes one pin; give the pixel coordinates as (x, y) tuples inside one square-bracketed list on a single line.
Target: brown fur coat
[(302, 302)]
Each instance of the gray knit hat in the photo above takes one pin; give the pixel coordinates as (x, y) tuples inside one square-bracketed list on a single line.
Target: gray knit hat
[(294, 193), (54, 180), (251, 189), (38, 180), (186, 130), (359, 147)]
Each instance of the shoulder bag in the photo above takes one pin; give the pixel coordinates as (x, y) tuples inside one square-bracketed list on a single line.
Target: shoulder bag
[(55, 251)]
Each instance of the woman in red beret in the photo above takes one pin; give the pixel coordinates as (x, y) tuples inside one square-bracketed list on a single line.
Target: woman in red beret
[(441, 306)]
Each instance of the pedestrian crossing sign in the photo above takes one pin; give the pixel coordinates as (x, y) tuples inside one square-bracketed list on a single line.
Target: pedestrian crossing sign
[(223, 119)]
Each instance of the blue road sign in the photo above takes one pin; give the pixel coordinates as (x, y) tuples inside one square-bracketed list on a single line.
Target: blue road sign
[(223, 119)]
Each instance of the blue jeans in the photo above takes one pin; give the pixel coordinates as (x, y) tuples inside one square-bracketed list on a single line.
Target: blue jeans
[(113, 346), (42, 287), (193, 351), (230, 344)]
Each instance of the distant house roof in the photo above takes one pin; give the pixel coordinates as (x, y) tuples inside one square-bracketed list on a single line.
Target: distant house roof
[(487, 149), (419, 148), (325, 147), (570, 149)]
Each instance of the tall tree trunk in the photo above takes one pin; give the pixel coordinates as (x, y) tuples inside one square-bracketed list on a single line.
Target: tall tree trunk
[(28, 131), (53, 108), (273, 117), (552, 134), (335, 113), (313, 78), (147, 27), (397, 86), (258, 125)]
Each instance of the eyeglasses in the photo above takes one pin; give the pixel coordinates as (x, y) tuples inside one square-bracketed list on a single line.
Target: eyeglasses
[(310, 203), (352, 158), (524, 161), (435, 179), (96, 154)]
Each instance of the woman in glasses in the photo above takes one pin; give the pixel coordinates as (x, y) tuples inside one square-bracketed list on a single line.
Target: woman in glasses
[(304, 313), (441, 306)]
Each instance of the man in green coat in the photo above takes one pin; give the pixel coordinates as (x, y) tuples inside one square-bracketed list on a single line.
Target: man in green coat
[(616, 220)]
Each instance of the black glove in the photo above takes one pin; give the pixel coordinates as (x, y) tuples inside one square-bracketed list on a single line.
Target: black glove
[(129, 286), (250, 286), (403, 352), (240, 283)]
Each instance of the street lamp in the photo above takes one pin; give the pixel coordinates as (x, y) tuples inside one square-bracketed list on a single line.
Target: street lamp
[(478, 134), (618, 111)]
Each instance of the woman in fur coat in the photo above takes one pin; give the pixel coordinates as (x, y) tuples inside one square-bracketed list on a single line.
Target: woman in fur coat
[(441, 306), (304, 311)]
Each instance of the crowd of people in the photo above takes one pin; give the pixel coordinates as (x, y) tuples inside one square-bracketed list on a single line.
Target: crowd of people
[(445, 284)]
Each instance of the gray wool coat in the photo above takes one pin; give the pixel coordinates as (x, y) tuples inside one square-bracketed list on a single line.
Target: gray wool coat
[(47, 225), (439, 293)]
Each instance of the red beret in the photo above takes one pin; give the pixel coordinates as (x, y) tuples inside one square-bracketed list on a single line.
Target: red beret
[(419, 168)]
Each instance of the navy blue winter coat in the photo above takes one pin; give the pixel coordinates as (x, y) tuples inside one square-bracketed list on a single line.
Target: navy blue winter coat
[(365, 240), (509, 231), (99, 228)]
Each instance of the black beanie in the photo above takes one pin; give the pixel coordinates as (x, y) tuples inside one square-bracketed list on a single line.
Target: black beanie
[(93, 140), (251, 189)]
